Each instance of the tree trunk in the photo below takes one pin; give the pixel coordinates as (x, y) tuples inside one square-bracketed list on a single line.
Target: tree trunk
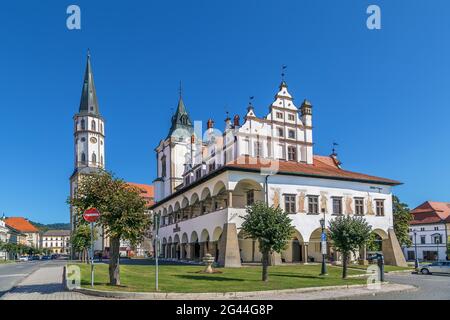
[(265, 266), (114, 266), (344, 266)]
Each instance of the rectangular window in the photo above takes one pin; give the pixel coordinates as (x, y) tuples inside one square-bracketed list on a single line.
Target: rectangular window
[(337, 205), (292, 153), (212, 166), (313, 204), (291, 117), (380, 207), (291, 134), (422, 239), (281, 152), (289, 203), (279, 115), (198, 174), (250, 197), (258, 149), (246, 147), (359, 206), (280, 132)]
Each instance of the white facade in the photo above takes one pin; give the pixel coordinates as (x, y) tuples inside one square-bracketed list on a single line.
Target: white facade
[(56, 243), (265, 159), (430, 241), (4, 238), (89, 143)]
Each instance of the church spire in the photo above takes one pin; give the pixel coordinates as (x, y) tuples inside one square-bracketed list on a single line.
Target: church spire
[(180, 120), (89, 103)]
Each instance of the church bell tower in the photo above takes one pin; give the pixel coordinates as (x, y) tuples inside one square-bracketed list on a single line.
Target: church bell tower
[(89, 139)]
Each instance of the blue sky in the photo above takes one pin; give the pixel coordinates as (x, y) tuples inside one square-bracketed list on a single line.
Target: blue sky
[(383, 95)]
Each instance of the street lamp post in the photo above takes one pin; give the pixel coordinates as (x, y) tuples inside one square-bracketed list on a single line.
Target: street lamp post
[(324, 245), (416, 262)]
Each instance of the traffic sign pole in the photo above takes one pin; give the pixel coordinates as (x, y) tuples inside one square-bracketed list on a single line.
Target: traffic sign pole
[(91, 215), (92, 254)]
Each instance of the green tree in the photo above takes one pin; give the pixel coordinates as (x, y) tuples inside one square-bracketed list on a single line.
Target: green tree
[(122, 211), (271, 227), (402, 219), (81, 241), (374, 243), (348, 235)]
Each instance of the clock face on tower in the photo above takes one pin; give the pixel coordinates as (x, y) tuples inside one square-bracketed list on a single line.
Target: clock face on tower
[(93, 140)]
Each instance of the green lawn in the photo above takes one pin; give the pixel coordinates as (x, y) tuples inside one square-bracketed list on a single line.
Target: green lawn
[(387, 268), (6, 261), (182, 278)]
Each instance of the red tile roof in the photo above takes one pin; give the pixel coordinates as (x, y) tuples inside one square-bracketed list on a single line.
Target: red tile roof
[(431, 212), (322, 167), (147, 192), (20, 224)]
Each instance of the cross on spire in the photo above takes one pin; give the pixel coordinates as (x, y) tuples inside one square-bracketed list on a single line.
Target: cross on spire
[(283, 70)]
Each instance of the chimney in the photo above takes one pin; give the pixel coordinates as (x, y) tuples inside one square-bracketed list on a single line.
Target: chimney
[(236, 120)]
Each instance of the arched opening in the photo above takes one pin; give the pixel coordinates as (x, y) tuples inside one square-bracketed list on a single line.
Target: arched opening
[(184, 246), (315, 247), (205, 201), (170, 248), (217, 235), (94, 158), (164, 248), (294, 252), (248, 248), (93, 126), (246, 192), (177, 248), (195, 246)]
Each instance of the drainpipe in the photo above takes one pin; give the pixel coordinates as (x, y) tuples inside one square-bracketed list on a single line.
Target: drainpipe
[(266, 187)]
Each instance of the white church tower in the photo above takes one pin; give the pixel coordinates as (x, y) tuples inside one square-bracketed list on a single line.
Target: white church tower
[(173, 153), (89, 139)]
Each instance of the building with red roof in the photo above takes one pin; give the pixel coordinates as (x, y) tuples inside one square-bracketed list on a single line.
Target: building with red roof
[(25, 227), (206, 180), (429, 231)]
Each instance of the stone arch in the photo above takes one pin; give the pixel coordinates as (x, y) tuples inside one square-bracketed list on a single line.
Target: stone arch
[(381, 233), (218, 188), (204, 236), (206, 192), (177, 206), (194, 199), (169, 240), (176, 238), (295, 250), (314, 246), (194, 237), (184, 202), (248, 248), (247, 191), (217, 233), (184, 238)]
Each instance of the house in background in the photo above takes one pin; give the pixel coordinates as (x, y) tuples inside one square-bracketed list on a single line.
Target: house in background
[(24, 226), (4, 234), (57, 241), (429, 232)]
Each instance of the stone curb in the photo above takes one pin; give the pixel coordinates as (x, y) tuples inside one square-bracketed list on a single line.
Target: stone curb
[(209, 295)]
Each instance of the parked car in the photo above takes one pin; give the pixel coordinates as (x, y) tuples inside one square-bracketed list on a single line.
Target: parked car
[(23, 258), (36, 258), (46, 258), (435, 267)]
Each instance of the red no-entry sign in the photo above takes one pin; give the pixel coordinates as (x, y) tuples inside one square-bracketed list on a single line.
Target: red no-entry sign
[(91, 215)]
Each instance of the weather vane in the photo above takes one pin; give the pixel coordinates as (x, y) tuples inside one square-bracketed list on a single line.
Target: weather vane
[(180, 89), (334, 148), (283, 69)]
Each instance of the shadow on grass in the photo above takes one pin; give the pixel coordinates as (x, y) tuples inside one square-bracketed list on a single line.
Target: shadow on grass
[(207, 278), (295, 276)]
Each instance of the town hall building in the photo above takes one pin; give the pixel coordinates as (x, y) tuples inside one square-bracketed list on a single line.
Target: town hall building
[(205, 181)]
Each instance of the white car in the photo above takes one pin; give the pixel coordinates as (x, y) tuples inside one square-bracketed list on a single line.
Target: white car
[(23, 258), (436, 267)]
